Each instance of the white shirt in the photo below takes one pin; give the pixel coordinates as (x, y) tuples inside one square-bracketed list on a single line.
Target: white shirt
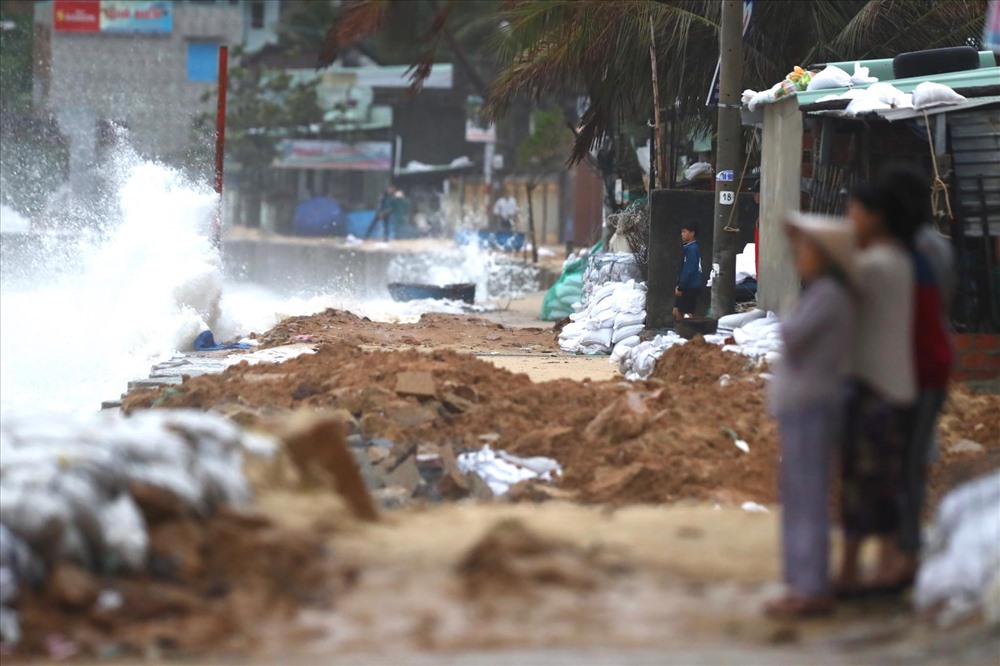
[(883, 335), (505, 207)]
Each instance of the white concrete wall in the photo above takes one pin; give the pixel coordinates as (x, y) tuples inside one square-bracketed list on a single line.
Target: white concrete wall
[(780, 185)]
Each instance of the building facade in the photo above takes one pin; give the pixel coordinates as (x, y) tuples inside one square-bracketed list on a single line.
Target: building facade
[(145, 65)]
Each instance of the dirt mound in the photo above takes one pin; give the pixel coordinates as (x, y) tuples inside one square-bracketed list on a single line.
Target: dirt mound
[(439, 331), (513, 560), (208, 585), (671, 438), (699, 362)]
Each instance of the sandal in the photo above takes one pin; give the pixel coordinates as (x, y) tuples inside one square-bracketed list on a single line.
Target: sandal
[(793, 606)]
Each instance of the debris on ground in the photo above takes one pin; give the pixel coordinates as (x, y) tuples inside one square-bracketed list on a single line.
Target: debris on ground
[(123, 534), (960, 574)]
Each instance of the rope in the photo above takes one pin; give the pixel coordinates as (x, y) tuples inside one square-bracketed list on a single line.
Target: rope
[(938, 186), (732, 211)]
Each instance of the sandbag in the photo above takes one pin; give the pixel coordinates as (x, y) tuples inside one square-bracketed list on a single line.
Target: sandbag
[(629, 318), (601, 337), (626, 332), (930, 94), (831, 77)]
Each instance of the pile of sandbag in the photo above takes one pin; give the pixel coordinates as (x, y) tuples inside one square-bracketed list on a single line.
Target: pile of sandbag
[(637, 362), (610, 323), (608, 267), (960, 574), (66, 487), (756, 334)]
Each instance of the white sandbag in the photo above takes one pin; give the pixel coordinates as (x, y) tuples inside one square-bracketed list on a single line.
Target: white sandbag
[(601, 337), (740, 319), (629, 318), (963, 553), (124, 532), (861, 76), (604, 291), (632, 301), (622, 348), (608, 318), (602, 305), (929, 94), (831, 77), (626, 332)]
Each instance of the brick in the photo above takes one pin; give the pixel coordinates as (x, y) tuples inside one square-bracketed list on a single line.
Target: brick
[(963, 342), (975, 360), (987, 342)]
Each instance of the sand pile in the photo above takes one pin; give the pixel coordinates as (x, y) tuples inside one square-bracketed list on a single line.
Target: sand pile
[(433, 330), (674, 437), (209, 585)]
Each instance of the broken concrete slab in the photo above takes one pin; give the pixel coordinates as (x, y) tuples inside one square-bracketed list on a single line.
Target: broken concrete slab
[(418, 384)]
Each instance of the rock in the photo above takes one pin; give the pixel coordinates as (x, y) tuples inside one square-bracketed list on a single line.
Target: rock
[(537, 491), (391, 498), (356, 442), (608, 481), (456, 404), (419, 384), (368, 399), (966, 446), (376, 454), (375, 426), (146, 599), (182, 544), (371, 479), (157, 504), (623, 419), (478, 488), (383, 443), (345, 416), (408, 415), (72, 587), (316, 442), (405, 475)]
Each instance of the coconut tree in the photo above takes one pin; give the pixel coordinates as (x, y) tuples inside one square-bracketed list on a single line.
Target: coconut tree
[(601, 48)]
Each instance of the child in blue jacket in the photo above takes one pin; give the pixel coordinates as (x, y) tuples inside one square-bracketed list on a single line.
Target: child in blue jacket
[(690, 281)]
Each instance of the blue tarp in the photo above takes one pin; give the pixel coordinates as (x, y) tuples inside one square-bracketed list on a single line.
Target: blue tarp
[(320, 216)]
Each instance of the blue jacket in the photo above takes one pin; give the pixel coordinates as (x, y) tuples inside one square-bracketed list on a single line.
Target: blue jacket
[(690, 276)]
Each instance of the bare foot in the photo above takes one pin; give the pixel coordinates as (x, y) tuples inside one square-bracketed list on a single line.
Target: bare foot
[(793, 606)]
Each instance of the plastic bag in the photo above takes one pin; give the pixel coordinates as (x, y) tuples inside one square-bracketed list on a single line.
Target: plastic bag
[(831, 77), (861, 76)]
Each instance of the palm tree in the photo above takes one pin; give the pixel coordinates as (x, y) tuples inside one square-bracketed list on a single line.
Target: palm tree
[(600, 48)]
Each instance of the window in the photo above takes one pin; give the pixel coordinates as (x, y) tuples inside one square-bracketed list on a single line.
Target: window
[(202, 61), (256, 14)]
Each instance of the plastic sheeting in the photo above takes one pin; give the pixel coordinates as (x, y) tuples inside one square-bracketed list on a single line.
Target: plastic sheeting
[(501, 470)]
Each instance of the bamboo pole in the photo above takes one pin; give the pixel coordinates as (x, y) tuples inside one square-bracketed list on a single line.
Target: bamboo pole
[(656, 108)]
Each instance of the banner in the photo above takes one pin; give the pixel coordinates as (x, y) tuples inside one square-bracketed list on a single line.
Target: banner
[(113, 16), (315, 154)]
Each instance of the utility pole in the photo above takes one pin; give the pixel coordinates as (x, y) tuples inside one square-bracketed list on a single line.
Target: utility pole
[(727, 158)]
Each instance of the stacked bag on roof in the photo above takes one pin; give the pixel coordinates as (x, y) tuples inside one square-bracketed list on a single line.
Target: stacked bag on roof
[(610, 323), (66, 488)]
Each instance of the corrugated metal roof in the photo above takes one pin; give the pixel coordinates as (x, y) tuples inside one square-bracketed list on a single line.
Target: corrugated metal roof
[(970, 78)]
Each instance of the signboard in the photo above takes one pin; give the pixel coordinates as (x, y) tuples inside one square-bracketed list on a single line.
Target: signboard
[(76, 15), (713, 89), (477, 130), (316, 154), (725, 176), (113, 16)]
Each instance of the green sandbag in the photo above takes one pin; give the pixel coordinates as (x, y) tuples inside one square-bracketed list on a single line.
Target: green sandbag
[(567, 290)]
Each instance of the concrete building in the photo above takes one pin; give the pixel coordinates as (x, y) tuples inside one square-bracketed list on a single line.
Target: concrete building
[(143, 64)]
